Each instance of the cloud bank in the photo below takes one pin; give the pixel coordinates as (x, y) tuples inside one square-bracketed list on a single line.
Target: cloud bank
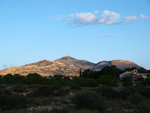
[(143, 16), (130, 19), (106, 17)]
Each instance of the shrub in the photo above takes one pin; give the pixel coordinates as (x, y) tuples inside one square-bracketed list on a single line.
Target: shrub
[(56, 110), (34, 78), (19, 88), (75, 87), (127, 91), (89, 100), (16, 101), (107, 80), (8, 79), (147, 82), (33, 94), (91, 82), (109, 93), (3, 96), (44, 91), (145, 92), (82, 111), (61, 92), (0, 79), (127, 81), (40, 101), (143, 107), (56, 86), (136, 98)]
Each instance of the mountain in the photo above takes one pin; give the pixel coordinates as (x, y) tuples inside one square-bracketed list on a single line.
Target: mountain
[(121, 64), (41, 63), (78, 63), (66, 66)]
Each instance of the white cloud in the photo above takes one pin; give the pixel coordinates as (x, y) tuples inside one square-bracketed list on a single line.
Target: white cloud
[(70, 17), (96, 11), (143, 16), (85, 18), (130, 18), (108, 35), (109, 17)]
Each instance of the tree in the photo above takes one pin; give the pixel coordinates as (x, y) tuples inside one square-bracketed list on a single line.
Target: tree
[(0, 79), (58, 77), (111, 70), (35, 78), (127, 81), (107, 80), (87, 73), (8, 79), (129, 69), (147, 81), (80, 72), (20, 79)]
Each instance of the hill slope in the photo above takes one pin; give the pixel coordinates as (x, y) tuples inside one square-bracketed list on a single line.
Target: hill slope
[(66, 65), (121, 64)]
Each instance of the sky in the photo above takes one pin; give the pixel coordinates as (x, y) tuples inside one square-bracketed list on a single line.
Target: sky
[(93, 30)]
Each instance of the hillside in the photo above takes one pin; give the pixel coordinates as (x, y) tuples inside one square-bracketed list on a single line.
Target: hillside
[(66, 65), (121, 64)]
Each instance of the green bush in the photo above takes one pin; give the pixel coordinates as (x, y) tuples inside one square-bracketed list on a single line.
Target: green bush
[(8, 79), (40, 101), (3, 96), (83, 111), (56, 86), (16, 101), (19, 89), (89, 100), (127, 91), (127, 81), (136, 98), (44, 91), (14, 111), (109, 93), (61, 92), (75, 87), (34, 78), (145, 92), (107, 80), (143, 107), (56, 110)]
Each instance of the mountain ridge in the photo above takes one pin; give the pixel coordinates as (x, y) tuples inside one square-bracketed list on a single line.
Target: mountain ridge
[(66, 66)]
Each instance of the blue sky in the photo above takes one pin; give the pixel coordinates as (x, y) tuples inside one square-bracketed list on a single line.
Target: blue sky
[(94, 30)]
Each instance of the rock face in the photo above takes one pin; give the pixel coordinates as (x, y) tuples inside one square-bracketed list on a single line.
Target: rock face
[(121, 64), (66, 66)]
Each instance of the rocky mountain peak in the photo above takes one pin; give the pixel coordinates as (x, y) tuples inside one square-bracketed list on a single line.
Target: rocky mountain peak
[(66, 65)]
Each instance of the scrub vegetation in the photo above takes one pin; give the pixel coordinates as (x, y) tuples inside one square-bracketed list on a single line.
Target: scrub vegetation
[(92, 92)]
